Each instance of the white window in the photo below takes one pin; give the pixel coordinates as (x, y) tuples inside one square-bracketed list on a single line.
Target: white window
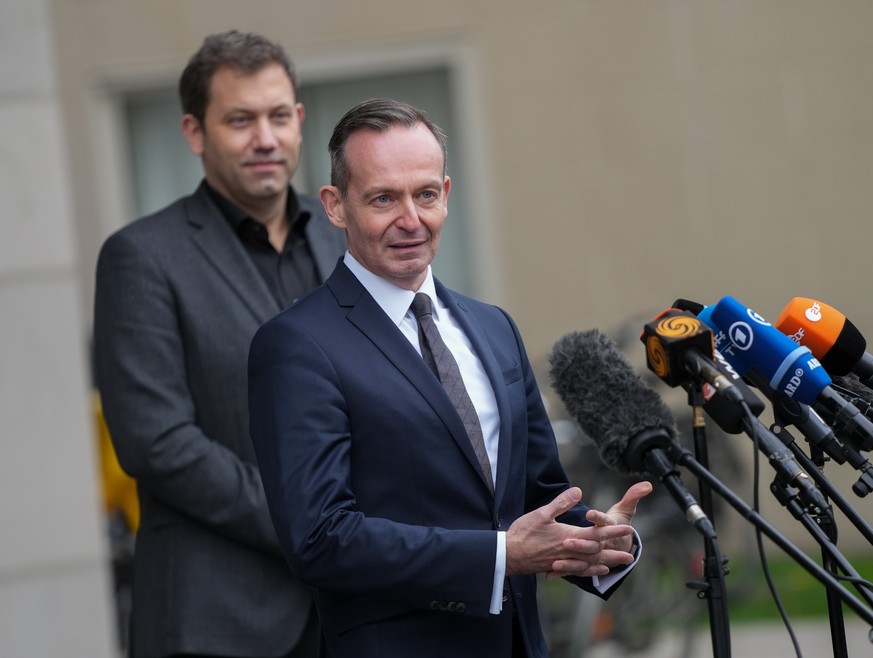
[(163, 168)]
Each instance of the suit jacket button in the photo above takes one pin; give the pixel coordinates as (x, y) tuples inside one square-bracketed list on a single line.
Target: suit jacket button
[(434, 605), (452, 606), (462, 608), (443, 606)]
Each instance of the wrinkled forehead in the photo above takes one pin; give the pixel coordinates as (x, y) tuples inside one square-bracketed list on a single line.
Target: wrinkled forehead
[(372, 153)]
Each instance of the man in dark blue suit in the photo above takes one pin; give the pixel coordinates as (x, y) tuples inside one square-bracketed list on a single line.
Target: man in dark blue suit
[(415, 546)]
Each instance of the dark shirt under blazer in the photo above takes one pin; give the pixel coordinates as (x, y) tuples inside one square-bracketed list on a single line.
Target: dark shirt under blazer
[(177, 303)]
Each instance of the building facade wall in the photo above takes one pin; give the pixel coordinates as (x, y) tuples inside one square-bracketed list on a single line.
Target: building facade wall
[(626, 154), (54, 580)]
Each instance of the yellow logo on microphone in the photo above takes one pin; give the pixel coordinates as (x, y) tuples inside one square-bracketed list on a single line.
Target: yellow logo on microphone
[(678, 326), (668, 338), (656, 357)]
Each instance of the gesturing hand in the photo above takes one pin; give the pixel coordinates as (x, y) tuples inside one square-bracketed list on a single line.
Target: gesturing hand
[(537, 543), (621, 513)]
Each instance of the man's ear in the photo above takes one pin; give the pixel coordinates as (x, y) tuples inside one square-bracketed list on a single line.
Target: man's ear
[(333, 205), (192, 130)]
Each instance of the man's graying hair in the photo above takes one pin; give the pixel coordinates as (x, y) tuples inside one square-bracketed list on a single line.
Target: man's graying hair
[(247, 53), (379, 114)]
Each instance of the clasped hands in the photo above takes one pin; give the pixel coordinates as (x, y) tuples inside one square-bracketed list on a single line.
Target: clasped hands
[(537, 543)]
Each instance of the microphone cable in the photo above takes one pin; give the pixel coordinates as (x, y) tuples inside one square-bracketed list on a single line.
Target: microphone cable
[(754, 429), (853, 578)]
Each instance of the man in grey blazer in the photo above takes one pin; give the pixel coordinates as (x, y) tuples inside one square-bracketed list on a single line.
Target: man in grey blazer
[(179, 295)]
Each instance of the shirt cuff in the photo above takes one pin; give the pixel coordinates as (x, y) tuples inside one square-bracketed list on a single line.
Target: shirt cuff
[(499, 575), (604, 583)]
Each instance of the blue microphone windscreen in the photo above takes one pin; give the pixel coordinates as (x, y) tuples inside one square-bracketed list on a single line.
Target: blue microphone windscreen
[(748, 341)]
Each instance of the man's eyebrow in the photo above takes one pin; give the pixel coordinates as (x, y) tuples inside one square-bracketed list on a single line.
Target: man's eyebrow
[(247, 109), (377, 191)]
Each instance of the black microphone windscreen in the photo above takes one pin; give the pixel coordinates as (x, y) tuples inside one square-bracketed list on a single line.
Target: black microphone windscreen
[(846, 351), (603, 393)]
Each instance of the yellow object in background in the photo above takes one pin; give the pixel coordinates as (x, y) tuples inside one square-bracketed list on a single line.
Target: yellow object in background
[(119, 489)]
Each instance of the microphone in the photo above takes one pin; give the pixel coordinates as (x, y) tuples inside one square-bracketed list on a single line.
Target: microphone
[(680, 347), (829, 334), (630, 424), (816, 431), (754, 347), (820, 435), (777, 453), (853, 390), (748, 341), (726, 413)]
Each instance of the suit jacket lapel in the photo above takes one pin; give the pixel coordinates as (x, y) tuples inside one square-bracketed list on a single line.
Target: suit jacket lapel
[(370, 319), (216, 240)]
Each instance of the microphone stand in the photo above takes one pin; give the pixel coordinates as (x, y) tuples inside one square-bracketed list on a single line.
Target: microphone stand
[(814, 467), (836, 619), (683, 457), (712, 587), (788, 412), (821, 523), (824, 529)]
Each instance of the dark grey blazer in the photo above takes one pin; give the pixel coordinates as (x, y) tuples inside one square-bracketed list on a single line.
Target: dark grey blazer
[(177, 303)]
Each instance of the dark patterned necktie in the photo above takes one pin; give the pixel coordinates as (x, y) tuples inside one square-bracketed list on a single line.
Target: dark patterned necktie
[(444, 366)]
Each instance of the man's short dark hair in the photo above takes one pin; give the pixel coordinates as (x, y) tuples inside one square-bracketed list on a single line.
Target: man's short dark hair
[(245, 52), (379, 114)]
